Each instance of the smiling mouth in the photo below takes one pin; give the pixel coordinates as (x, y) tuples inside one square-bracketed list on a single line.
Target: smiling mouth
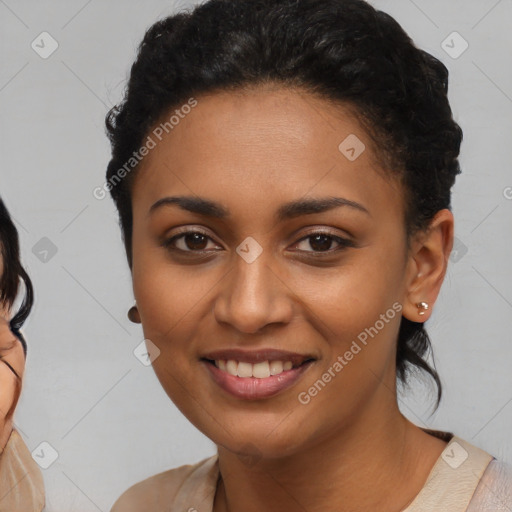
[(260, 370), (253, 375)]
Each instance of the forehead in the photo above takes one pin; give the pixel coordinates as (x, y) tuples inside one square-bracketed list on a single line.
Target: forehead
[(262, 145)]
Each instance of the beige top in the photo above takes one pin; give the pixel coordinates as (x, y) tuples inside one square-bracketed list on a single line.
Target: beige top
[(463, 479), (21, 481)]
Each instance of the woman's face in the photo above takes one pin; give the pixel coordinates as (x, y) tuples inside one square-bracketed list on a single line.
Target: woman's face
[(273, 269), (11, 352)]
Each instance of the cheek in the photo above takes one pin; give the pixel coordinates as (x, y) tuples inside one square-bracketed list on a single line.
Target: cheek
[(357, 309), (355, 294), (172, 302), (165, 293), (8, 386), (168, 303)]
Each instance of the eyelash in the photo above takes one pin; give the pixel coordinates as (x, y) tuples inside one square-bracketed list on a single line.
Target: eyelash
[(344, 243)]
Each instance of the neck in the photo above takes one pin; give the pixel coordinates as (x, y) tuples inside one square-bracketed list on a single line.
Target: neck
[(352, 470)]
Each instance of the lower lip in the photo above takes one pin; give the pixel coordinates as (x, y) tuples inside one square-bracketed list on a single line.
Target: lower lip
[(251, 388)]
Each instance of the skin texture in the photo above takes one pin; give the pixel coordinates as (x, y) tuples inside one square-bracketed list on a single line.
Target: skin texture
[(11, 351), (252, 151)]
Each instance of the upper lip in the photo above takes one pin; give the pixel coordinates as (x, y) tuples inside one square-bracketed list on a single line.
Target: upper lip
[(257, 356)]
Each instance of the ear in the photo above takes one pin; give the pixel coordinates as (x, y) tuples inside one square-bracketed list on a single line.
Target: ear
[(426, 267)]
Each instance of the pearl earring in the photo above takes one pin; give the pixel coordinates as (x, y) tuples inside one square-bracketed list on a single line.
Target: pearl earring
[(422, 306)]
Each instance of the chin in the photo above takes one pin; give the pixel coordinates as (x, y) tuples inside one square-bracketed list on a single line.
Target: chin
[(258, 440)]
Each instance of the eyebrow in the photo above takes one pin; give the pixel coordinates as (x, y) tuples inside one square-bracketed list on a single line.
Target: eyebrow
[(286, 211)]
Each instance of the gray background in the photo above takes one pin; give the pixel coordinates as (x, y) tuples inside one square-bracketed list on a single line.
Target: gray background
[(85, 393)]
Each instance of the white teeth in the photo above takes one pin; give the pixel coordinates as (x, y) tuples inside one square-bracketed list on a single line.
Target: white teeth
[(244, 369), (260, 370), (276, 367), (232, 367)]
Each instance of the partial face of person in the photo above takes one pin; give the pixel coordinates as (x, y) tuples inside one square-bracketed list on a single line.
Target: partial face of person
[(12, 356), (11, 352), (269, 268)]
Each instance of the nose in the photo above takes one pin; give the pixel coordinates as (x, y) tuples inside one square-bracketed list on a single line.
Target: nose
[(253, 296)]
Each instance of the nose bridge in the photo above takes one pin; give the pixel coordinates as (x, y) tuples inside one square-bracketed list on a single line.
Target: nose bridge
[(252, 297)]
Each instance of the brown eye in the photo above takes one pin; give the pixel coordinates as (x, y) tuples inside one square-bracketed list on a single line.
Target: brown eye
[(195, 241), (322, 242), (191, 241)]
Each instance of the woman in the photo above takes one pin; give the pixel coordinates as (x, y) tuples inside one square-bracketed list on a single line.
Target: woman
[(282, 171), (21, 482)]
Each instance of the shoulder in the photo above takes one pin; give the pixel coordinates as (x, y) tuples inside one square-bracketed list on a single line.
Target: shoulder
[(159, 491), (494, 491), (21, 481)]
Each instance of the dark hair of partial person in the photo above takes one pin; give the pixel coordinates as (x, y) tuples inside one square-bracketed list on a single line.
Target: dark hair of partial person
[(343, 51), (13, 275)]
